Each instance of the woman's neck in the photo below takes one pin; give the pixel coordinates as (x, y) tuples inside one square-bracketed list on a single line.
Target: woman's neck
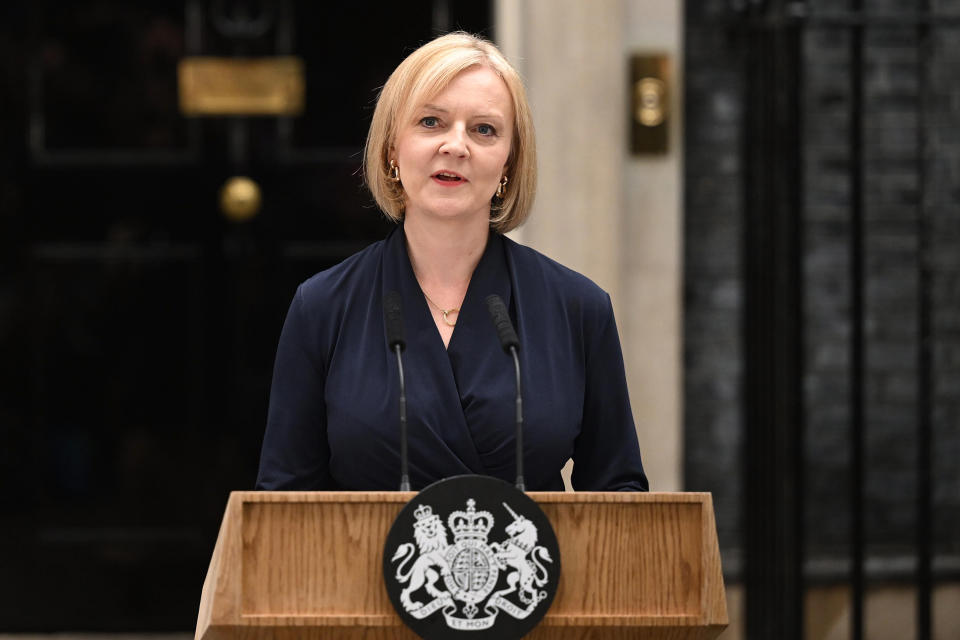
[(445, 253)]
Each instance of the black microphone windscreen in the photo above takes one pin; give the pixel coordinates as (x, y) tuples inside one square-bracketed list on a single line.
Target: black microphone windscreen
[(501, 321), (393, 314)]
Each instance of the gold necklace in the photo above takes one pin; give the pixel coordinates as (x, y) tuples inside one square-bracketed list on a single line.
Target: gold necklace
[(446, 312), (446, 320)]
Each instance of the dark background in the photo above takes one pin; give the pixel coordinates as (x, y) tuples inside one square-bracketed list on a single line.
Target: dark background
[(137, 324)]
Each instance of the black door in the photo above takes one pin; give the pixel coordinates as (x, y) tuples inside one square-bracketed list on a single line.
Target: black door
[(137, 323)]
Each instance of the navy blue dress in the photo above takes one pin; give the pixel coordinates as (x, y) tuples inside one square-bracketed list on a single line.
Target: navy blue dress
[(333, 419)]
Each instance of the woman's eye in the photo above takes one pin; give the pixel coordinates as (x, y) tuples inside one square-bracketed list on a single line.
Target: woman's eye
[(486, 130), (429, 122)]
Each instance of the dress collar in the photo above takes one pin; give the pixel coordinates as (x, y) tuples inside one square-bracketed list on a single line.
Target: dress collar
[(491, 276)]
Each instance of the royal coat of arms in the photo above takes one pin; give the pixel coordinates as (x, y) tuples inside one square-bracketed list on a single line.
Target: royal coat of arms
[(471, 580)]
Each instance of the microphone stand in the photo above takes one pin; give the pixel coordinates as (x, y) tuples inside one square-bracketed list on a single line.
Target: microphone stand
[(404, 471), (510, 344), (393, 317), (516, 365)]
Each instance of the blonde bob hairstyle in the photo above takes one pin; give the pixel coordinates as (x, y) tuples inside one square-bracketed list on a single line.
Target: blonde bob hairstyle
[(422, 75)]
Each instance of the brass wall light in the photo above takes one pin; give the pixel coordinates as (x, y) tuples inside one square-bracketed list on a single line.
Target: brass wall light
[(649, 104)]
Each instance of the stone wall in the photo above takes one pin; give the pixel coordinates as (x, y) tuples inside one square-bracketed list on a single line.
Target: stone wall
[(600, 210)]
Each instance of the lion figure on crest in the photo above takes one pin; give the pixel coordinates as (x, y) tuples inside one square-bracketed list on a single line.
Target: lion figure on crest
[(521, 553), (431, 538)]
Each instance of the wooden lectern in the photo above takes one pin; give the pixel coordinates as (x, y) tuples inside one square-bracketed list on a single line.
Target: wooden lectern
[(292, 565)]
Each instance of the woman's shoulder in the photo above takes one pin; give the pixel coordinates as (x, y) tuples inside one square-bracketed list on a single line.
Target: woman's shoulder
[(556, 279), (337, 284)]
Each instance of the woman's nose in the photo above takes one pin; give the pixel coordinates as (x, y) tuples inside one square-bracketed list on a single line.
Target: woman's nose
[(455, 142)]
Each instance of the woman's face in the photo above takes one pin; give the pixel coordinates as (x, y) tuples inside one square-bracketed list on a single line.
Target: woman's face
[(454, 150)]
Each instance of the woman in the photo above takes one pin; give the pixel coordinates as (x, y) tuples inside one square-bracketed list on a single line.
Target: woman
[(450, 156)]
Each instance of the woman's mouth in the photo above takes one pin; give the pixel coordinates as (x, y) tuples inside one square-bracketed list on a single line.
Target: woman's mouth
[(448, 178)]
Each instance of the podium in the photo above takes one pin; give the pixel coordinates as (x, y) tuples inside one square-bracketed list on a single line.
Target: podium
[(308, 565)]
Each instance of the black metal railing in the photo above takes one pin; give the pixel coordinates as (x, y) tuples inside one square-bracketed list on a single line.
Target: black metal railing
[(773, 357), (770, 37)]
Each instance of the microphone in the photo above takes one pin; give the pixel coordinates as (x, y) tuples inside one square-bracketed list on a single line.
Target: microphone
[(501, 322), (393, 316), (510, 344)]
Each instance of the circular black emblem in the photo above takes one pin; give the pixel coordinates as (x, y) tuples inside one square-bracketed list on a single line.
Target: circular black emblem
[(471, 557)]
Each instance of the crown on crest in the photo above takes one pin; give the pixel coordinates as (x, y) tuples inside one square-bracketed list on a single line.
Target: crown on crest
[(425, 516), (470, 524)]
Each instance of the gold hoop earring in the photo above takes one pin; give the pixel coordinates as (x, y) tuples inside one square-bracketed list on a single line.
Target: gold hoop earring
[(502, 187), (394, 172)]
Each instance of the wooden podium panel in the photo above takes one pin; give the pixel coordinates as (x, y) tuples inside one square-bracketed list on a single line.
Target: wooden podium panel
[(309, 565)]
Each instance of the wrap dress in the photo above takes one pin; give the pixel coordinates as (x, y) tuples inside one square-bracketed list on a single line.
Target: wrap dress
[(333, 421)]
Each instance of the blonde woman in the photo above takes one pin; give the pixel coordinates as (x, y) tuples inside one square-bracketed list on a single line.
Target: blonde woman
[(451, 158)]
